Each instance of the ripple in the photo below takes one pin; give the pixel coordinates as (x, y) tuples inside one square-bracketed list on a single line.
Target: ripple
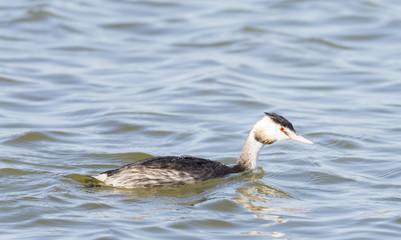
[(331, 44), (87, 88), (13, 171), (40, 137)]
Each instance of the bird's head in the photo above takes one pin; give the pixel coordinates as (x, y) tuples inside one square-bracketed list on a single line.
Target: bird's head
[(274, 127)]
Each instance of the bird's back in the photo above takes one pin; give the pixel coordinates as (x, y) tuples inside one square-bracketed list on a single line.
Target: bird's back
[(165, 170)]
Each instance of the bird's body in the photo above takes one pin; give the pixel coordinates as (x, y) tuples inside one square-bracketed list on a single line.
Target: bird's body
[(166, 170), (169, 170)]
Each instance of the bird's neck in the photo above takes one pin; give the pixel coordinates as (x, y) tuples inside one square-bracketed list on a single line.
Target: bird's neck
[(249, 155)]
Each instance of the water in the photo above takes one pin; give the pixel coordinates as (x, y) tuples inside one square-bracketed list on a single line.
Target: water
[(88, 86)]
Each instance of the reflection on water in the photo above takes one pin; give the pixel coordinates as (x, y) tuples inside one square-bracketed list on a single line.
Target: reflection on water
[(253, 195), (257, 199), (176, 191), (88, 86)]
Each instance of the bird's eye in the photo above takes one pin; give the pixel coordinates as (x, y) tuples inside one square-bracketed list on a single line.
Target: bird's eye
[(282, 129)]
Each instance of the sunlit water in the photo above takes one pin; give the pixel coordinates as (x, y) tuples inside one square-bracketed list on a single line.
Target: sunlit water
[(88, 86)]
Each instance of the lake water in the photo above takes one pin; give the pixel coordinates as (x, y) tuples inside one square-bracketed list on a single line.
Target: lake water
[(88, 86)]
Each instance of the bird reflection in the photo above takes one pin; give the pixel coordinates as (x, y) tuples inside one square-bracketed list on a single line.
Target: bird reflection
[(256, 197), (252, 194)]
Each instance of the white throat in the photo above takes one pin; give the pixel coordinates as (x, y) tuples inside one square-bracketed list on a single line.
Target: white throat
[(264, 132), (250, 152)]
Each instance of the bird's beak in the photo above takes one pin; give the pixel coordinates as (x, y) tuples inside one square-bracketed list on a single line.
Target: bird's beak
[(299, 138)]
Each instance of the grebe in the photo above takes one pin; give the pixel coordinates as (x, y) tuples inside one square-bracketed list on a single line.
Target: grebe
[(169, 170)]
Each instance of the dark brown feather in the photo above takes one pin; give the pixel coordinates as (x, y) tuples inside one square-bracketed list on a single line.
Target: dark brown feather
[(280, 120), (202, 168)]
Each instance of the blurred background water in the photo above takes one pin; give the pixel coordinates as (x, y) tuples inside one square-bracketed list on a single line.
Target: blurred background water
[(88, 86)]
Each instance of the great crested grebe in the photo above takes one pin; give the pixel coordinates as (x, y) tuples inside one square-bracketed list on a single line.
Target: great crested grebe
[(169, 170)]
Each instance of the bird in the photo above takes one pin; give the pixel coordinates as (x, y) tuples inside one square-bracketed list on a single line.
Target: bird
[(186, 169)]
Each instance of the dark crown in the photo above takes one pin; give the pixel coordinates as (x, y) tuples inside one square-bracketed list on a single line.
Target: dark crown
[(280, 120)]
